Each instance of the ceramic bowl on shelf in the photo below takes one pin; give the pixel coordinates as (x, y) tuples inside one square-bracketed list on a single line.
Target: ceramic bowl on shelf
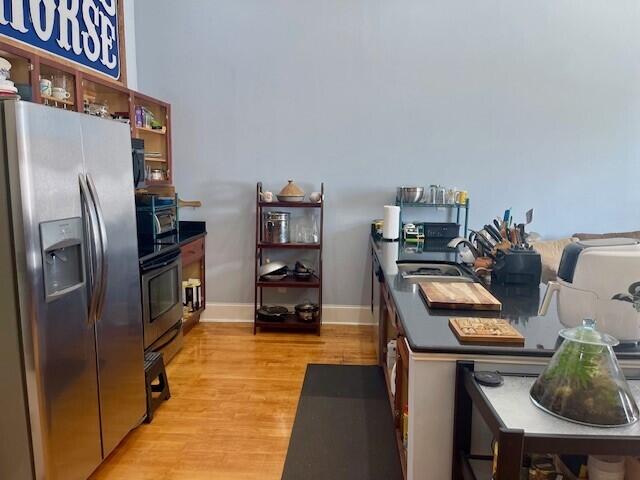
[(291, 193)]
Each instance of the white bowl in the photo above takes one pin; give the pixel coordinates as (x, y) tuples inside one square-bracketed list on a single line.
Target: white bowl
[(291, 198)]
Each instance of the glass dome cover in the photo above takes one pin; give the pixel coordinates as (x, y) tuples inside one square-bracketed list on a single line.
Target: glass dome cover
[(583, 382)]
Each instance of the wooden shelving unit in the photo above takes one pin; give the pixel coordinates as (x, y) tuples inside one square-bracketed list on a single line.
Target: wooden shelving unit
[(156, 140), (84, 88), (289, 321)]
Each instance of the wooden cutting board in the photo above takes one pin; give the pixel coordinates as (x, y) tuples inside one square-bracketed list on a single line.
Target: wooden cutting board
[(459, 296), (485, 330)]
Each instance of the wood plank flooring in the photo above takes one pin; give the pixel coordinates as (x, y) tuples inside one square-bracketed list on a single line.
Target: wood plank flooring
[(233, 402)]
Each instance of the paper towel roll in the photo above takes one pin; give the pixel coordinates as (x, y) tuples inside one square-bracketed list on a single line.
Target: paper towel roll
[(391, 229)]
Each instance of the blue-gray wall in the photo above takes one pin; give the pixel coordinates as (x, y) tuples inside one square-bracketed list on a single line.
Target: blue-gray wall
[(524, 103)]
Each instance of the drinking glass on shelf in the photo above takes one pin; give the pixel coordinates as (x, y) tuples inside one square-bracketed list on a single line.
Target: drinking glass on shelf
[(432, 194), (60, 81), (450, 198), (315, 235)]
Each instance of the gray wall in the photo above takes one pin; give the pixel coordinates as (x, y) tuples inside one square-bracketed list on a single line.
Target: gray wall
[(525, 104)]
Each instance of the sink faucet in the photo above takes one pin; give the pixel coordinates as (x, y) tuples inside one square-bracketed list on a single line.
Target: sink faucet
[(468, 252)]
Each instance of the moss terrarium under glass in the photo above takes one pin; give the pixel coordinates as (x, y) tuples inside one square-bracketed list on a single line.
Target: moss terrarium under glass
[(583, 382)]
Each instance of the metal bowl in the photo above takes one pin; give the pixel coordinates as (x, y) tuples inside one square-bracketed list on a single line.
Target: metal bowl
[(409, 194), (272, 267)]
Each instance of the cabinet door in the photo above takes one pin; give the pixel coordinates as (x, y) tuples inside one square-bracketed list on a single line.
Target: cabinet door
[(192, 252)]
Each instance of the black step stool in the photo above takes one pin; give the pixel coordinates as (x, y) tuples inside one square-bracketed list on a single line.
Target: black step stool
[(154, 369)]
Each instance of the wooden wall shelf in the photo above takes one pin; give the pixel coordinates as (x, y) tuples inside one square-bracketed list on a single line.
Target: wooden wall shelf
[(28, 67), (48, 98), (158, 131)]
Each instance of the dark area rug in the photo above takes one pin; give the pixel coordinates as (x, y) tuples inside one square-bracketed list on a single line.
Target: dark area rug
[(343, 427)]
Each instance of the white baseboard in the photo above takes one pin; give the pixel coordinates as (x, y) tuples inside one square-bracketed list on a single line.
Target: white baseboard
[(331, 314)]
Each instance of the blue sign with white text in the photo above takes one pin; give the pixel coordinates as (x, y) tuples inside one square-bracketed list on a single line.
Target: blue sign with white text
[(83, 31)]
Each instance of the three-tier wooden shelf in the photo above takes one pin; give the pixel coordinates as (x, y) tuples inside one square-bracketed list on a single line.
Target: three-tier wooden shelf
[(289, 321)]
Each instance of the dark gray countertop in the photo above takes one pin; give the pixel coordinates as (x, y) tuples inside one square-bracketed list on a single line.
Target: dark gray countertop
[(188, 232), (427, 330)]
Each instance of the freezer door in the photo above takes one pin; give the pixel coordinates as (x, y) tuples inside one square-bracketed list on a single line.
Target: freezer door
[(15, 442), (43, 154), (107, 152)]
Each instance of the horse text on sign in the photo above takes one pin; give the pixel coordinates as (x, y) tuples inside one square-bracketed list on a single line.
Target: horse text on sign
[(83, 31)]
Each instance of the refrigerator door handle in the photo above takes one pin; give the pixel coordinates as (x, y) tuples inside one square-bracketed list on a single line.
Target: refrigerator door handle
[(102, 227), (94, 251)]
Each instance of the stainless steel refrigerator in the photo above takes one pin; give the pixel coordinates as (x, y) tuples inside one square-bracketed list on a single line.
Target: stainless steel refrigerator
[(71, 334)]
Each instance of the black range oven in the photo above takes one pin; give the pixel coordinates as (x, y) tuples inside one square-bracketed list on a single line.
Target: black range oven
[(161, 277)]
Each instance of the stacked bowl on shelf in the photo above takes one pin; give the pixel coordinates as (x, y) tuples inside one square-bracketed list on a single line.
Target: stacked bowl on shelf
[(7, 88)]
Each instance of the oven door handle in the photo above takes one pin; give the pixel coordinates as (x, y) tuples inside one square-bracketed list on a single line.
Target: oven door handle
[(156, 266), (177, 329), (167, 259), (156, 221)]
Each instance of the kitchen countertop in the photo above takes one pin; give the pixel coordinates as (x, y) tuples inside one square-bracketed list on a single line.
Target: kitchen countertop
[(427, 330), (188, 232)]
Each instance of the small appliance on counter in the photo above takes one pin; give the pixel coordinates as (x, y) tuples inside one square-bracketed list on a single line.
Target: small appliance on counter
[(412, 233), (156, 216), (599, 279)]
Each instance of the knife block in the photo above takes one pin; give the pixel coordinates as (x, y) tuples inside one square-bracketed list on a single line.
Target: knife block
[(517, 267)]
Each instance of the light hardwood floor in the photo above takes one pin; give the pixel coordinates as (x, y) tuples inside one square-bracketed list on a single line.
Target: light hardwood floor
[(233, 402)]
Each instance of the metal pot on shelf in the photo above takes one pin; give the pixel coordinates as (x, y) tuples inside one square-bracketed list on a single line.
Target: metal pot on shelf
[(303, 270), (276, 227), (307, 311)]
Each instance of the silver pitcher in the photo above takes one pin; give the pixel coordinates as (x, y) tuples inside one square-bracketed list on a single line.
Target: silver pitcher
[(276, 227)]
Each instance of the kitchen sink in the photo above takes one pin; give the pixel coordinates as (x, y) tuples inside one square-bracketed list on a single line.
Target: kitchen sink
[(434, 272)]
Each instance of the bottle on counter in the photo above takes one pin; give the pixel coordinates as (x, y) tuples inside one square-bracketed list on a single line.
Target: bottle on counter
[(196, 284)]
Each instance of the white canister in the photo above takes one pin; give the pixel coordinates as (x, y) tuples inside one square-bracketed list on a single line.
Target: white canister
[(391, 228), (606, 467)]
